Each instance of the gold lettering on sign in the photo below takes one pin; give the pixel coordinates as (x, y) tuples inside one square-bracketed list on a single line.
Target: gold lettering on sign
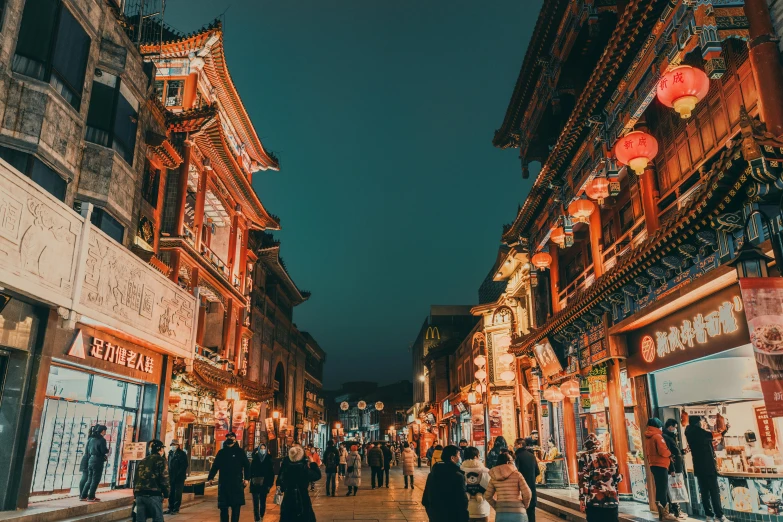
[(699, 331), (120, 356)]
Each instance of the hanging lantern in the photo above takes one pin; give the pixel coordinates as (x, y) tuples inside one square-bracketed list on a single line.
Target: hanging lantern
[(472, 397), (480, 374), (186, 417), (558, 236), (581, 210), (507, 375), (636, 149), (506, 358), (362, 405), (682, 88), (379, 406), (344, 406), (570, 389), (495, 399), (597, 189), (541, 260), (174, 399), (480, 361), (553, 394)]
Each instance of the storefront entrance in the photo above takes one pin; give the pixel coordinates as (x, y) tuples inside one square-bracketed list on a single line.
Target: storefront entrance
[(202, 447), (75, 401)]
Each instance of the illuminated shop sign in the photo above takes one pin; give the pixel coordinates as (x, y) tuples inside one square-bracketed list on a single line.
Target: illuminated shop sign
[(112, 353), (710, 325)]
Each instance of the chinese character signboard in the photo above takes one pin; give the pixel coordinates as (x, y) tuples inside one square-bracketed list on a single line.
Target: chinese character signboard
[(767, 435), (711, 325), (763, 297), (547, 360), (477, 419), (134, 451), (109, 353)]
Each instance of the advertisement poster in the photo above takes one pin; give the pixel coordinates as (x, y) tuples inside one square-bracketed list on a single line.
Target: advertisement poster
[(767, 435), (547, 360), (222, 419), (477, 418), (134, 451), (495, 421), (763, 301), (239, 415), (270, 428)]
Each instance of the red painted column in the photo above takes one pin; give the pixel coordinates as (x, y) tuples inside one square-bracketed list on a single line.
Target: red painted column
[(569, 434), (198, 219), (182, 194), (595, 242), (648, 186), (765, 60), (227, 324), (554, 278), (175, 263), (617, 429)]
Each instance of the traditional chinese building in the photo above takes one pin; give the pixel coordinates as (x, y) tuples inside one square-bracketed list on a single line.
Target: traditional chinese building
[(657, 128)]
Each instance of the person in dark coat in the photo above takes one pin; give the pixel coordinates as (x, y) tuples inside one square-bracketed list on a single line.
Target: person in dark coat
[(445, 496), (234, 469), (151, 484), (388, 456), (700, 443), (677, 459), (95, 456), (331, 462), (494, 453), (262, 477), (178, 472), (527, 464), (375, 461), (293, 481)]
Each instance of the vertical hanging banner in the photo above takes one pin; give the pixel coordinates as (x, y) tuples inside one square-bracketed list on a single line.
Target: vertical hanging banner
[(477, 419), (763, 301), (239, 418)]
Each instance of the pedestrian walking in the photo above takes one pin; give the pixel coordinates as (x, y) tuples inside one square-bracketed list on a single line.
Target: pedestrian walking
[(507, 492), (353, 471), (343, 457), (234, 469), (375, 461), (435, 457), (659, 458), (476, 482), (598, 479), (445, 494), (527, 464), (331, 465), (463, 444), (408, 459), (262, 477), (429, 454), (388, 456), (178, 472), (151, 483), (314, 457), (95, 456), (703, 454), (494, 453), (677, 461), (293, 482)]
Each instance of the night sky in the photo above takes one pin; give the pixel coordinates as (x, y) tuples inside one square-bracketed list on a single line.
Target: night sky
[(391, 195)]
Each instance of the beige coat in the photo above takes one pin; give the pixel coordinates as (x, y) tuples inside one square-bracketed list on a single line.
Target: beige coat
[(507, 491), (408, 459)]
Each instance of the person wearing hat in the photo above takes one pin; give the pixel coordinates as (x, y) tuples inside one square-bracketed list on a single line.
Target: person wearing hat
[(598, 479), (151, 484), (178, 471), (293, 482), (231, 461)]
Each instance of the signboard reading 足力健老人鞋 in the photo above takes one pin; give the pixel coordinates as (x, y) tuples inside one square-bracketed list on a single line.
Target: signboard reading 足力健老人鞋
[(708, 326)]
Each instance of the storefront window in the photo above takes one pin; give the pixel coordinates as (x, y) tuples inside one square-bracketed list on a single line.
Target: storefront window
[(68, 384), (107, 391), (132, 396)]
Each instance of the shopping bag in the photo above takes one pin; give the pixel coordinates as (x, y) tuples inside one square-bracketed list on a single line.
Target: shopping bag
[(278, 497), (678, 491)]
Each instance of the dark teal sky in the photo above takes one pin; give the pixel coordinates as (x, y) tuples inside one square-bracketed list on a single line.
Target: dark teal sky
[(391, 195)]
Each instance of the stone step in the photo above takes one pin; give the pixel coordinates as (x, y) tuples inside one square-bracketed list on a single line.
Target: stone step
[(45, 512)]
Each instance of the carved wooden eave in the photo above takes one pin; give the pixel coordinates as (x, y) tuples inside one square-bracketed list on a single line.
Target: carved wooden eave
[(721, 185), (545, 31), (219, 380), (270, 256), (637, 20), (166, 154), (208, 45)]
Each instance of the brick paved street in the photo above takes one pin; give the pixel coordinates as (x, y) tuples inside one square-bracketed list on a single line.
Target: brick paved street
[(394, 503)]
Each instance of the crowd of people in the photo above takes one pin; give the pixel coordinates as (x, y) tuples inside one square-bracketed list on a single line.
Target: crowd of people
[(460, 486)]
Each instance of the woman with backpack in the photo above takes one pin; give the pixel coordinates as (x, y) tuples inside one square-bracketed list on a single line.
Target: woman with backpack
[(353, 472), (331, 463), (293, 483)]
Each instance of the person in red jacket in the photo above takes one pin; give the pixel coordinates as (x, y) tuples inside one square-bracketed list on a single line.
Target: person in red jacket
[(659, 458)]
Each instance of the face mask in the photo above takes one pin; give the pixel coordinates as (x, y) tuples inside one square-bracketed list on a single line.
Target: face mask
[(262, 451), (230, 442)]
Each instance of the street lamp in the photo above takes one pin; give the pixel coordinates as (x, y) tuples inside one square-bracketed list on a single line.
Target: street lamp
[(751, 261)]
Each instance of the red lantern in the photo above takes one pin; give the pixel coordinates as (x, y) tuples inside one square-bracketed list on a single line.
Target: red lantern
[(186, 417), (570, 389), (597, 189), (541, 260), (581, 209), (558, 236), (636, 149), (553, 394), (682, 88)]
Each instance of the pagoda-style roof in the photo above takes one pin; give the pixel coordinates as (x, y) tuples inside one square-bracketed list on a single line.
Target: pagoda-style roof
[(219, 380), (629, 36), (204, 127), (208, 45), (718, 189), (269, 253)]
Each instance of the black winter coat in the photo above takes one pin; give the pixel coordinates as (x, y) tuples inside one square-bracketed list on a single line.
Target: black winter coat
[(234, 467), (96, 451), (445, 497), (702, 452), (261, 468), (494, 453), (332, 454), (677, 461), (294, 480), (527, 464), (375, 457), (387, 456), (178, 465)]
